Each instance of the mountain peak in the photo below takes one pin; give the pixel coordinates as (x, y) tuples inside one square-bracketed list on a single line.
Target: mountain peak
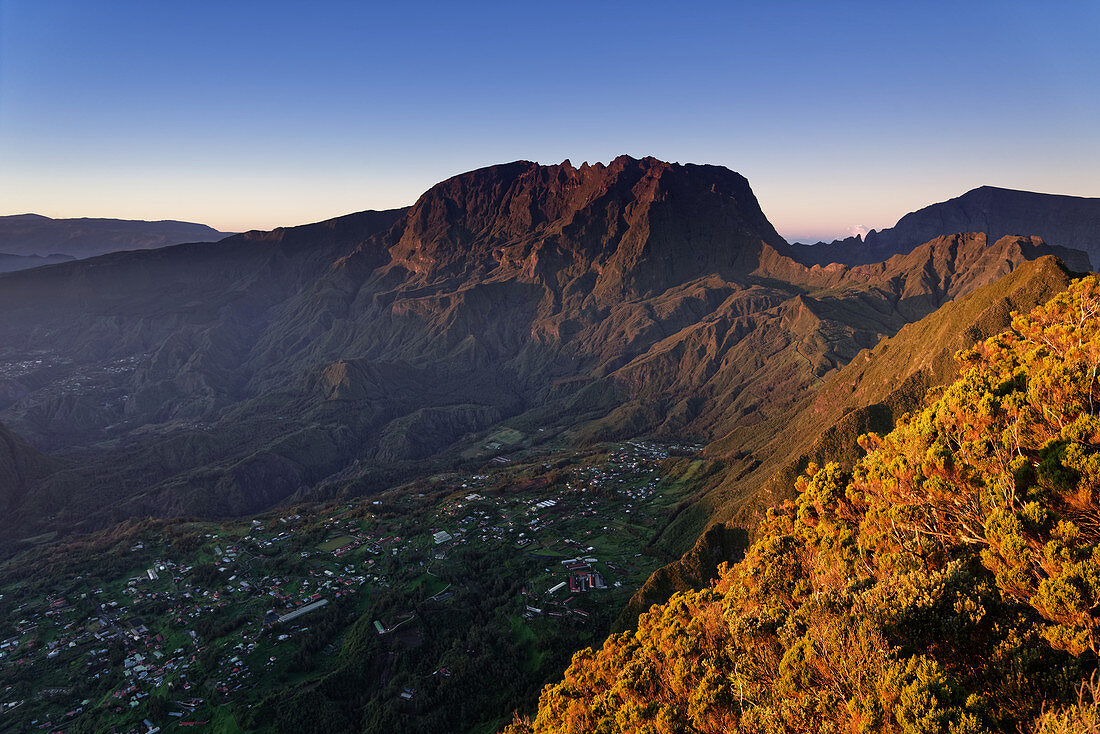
[(1067, 224), (625, 221)]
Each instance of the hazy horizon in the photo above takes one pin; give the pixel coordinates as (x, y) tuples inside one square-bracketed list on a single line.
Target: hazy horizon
[(791, 237)]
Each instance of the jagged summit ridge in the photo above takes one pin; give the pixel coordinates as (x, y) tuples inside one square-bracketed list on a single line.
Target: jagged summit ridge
[(638, 223)]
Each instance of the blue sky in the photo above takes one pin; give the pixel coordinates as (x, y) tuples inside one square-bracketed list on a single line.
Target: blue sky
[(259, 114)]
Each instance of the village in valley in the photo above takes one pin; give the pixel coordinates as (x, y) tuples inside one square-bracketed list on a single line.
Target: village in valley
[(196, 624)]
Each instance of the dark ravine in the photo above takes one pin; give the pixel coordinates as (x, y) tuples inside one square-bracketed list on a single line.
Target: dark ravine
[(21, 469), (604, 301)]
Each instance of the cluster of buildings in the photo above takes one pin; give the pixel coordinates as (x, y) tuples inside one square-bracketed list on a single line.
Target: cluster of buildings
[(582, 577), (171, 625), (593, 499), (142, 634)]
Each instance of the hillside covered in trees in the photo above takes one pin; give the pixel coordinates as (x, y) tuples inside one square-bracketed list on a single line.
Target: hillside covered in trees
[(950, 582)]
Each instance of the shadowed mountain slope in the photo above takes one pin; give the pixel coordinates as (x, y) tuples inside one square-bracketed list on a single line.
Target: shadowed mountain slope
[(593, 302), (21, 469), (11, 263), (1062, 221)]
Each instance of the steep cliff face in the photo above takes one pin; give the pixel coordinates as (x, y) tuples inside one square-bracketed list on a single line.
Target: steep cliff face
[(602, 301), (636, 225), (1066, 222)]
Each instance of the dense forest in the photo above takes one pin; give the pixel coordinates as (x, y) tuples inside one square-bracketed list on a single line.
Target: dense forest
[(950, 582)]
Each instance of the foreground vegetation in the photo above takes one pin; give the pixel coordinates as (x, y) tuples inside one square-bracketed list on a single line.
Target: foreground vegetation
[(949, 583)]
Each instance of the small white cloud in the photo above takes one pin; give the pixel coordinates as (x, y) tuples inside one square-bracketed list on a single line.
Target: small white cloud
[(858, 230)]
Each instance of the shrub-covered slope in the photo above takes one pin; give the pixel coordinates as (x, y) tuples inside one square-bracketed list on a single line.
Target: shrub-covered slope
[(950, 582), (866, 395)]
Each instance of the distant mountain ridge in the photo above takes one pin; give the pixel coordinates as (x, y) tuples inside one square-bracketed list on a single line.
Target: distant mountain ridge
[(1071, 222), (587, 303), (34, 234), (11, 263)]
